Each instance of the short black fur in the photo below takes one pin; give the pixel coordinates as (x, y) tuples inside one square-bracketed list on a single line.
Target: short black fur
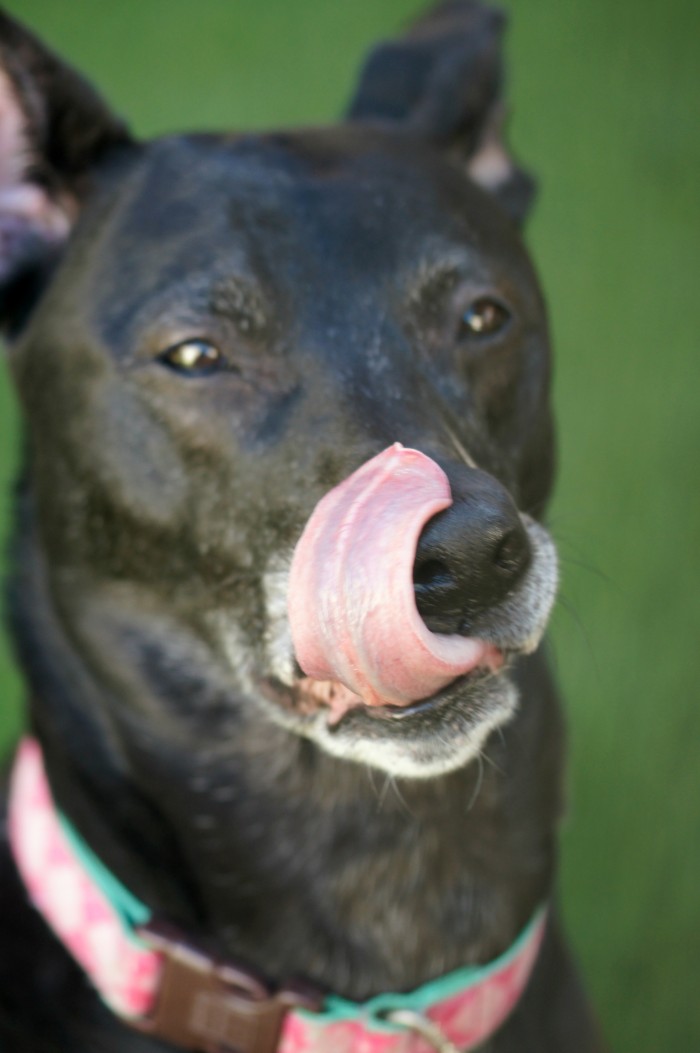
[(150, 507)]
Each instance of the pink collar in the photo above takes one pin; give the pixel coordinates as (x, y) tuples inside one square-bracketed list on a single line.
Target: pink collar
[(163, 985)]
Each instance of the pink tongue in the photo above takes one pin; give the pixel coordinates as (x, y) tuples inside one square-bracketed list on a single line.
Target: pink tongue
[(351, 602)]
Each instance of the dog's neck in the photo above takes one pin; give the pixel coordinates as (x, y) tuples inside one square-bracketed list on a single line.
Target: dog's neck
[(286, 858)]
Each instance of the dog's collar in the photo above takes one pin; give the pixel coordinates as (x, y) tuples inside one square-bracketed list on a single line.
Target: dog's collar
[(165, 986)]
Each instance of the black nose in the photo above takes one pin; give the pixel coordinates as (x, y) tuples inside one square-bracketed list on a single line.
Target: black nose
[(470, 556)]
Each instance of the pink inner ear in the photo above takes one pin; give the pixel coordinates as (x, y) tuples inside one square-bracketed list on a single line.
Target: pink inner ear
[(27, 213), (14, 148)]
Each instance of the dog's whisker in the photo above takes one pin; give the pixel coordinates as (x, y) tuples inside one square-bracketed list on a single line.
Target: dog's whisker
[(468, 460), (581, 564), (479, 781), (236, 578), (568, 606), (581, 556), (391, 781), (488, 759), (370, 772), (382, 795)]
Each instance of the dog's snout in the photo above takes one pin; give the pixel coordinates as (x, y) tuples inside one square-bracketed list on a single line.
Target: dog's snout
[(470, 556)]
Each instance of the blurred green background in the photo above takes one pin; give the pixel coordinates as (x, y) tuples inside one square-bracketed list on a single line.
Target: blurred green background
[(607, 112)]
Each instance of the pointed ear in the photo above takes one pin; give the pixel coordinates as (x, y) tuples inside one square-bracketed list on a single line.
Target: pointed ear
[(443, 80), (54, 130)]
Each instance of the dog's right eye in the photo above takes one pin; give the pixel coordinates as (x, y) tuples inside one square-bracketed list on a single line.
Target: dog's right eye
[(483, 318), (193, 358)]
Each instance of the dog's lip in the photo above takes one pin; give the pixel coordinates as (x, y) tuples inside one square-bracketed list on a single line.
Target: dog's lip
[(442, 699), (298, 698)]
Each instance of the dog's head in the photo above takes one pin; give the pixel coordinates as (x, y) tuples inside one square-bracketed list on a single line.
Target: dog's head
[(211, 332)]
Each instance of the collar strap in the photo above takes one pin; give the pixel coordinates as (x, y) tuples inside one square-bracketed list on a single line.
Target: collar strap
[(161, 983)]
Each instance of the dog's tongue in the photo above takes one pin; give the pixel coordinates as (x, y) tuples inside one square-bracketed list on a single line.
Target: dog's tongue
[(351, 601)]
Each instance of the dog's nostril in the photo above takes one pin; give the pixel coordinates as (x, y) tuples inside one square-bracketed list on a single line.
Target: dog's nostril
[(512, 553), (432, 574), (437, 595)]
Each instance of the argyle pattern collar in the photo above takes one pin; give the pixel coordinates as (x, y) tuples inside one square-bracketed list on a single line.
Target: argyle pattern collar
[(102, 925)]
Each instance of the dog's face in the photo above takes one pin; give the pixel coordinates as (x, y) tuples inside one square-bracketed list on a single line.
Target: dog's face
[(235, 325)]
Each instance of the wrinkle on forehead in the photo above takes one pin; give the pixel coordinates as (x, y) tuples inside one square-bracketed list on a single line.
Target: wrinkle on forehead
[(262, 228)]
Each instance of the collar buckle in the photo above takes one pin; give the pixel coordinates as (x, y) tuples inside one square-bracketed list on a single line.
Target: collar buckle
[(423, 1026), (213, 1006)]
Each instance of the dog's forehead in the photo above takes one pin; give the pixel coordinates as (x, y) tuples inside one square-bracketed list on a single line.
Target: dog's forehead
[(331, 198), (329, 177), (314, 220)]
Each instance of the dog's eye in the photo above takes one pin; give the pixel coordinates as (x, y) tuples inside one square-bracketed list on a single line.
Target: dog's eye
[(193, 358), (484, 317)]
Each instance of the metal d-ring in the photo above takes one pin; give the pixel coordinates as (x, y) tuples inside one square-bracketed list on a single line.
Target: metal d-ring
[(423, 1026)]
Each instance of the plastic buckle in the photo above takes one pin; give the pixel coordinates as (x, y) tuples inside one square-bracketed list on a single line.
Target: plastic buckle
[(212, 1006)]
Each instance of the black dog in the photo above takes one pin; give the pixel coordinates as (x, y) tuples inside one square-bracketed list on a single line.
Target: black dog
[(208, 333)]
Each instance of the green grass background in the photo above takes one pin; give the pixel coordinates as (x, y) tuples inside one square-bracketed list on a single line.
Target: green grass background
[(607, 112)]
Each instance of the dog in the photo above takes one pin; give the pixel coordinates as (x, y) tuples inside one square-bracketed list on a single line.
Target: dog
[(213, 337)]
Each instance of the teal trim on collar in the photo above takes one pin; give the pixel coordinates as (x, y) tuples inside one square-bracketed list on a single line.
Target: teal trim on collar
[(340, 1010), (132, 913)]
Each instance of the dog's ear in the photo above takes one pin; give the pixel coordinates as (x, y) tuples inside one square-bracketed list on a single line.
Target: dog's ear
[(54, 129), (443, 80)]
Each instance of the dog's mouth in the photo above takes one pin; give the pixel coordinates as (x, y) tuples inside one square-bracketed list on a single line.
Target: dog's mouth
[(333, 701), (423, 739), (351, 656), (332, 697)]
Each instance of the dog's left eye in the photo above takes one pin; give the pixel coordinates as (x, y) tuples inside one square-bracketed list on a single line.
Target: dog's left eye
[(193, 358), (484, 317)]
